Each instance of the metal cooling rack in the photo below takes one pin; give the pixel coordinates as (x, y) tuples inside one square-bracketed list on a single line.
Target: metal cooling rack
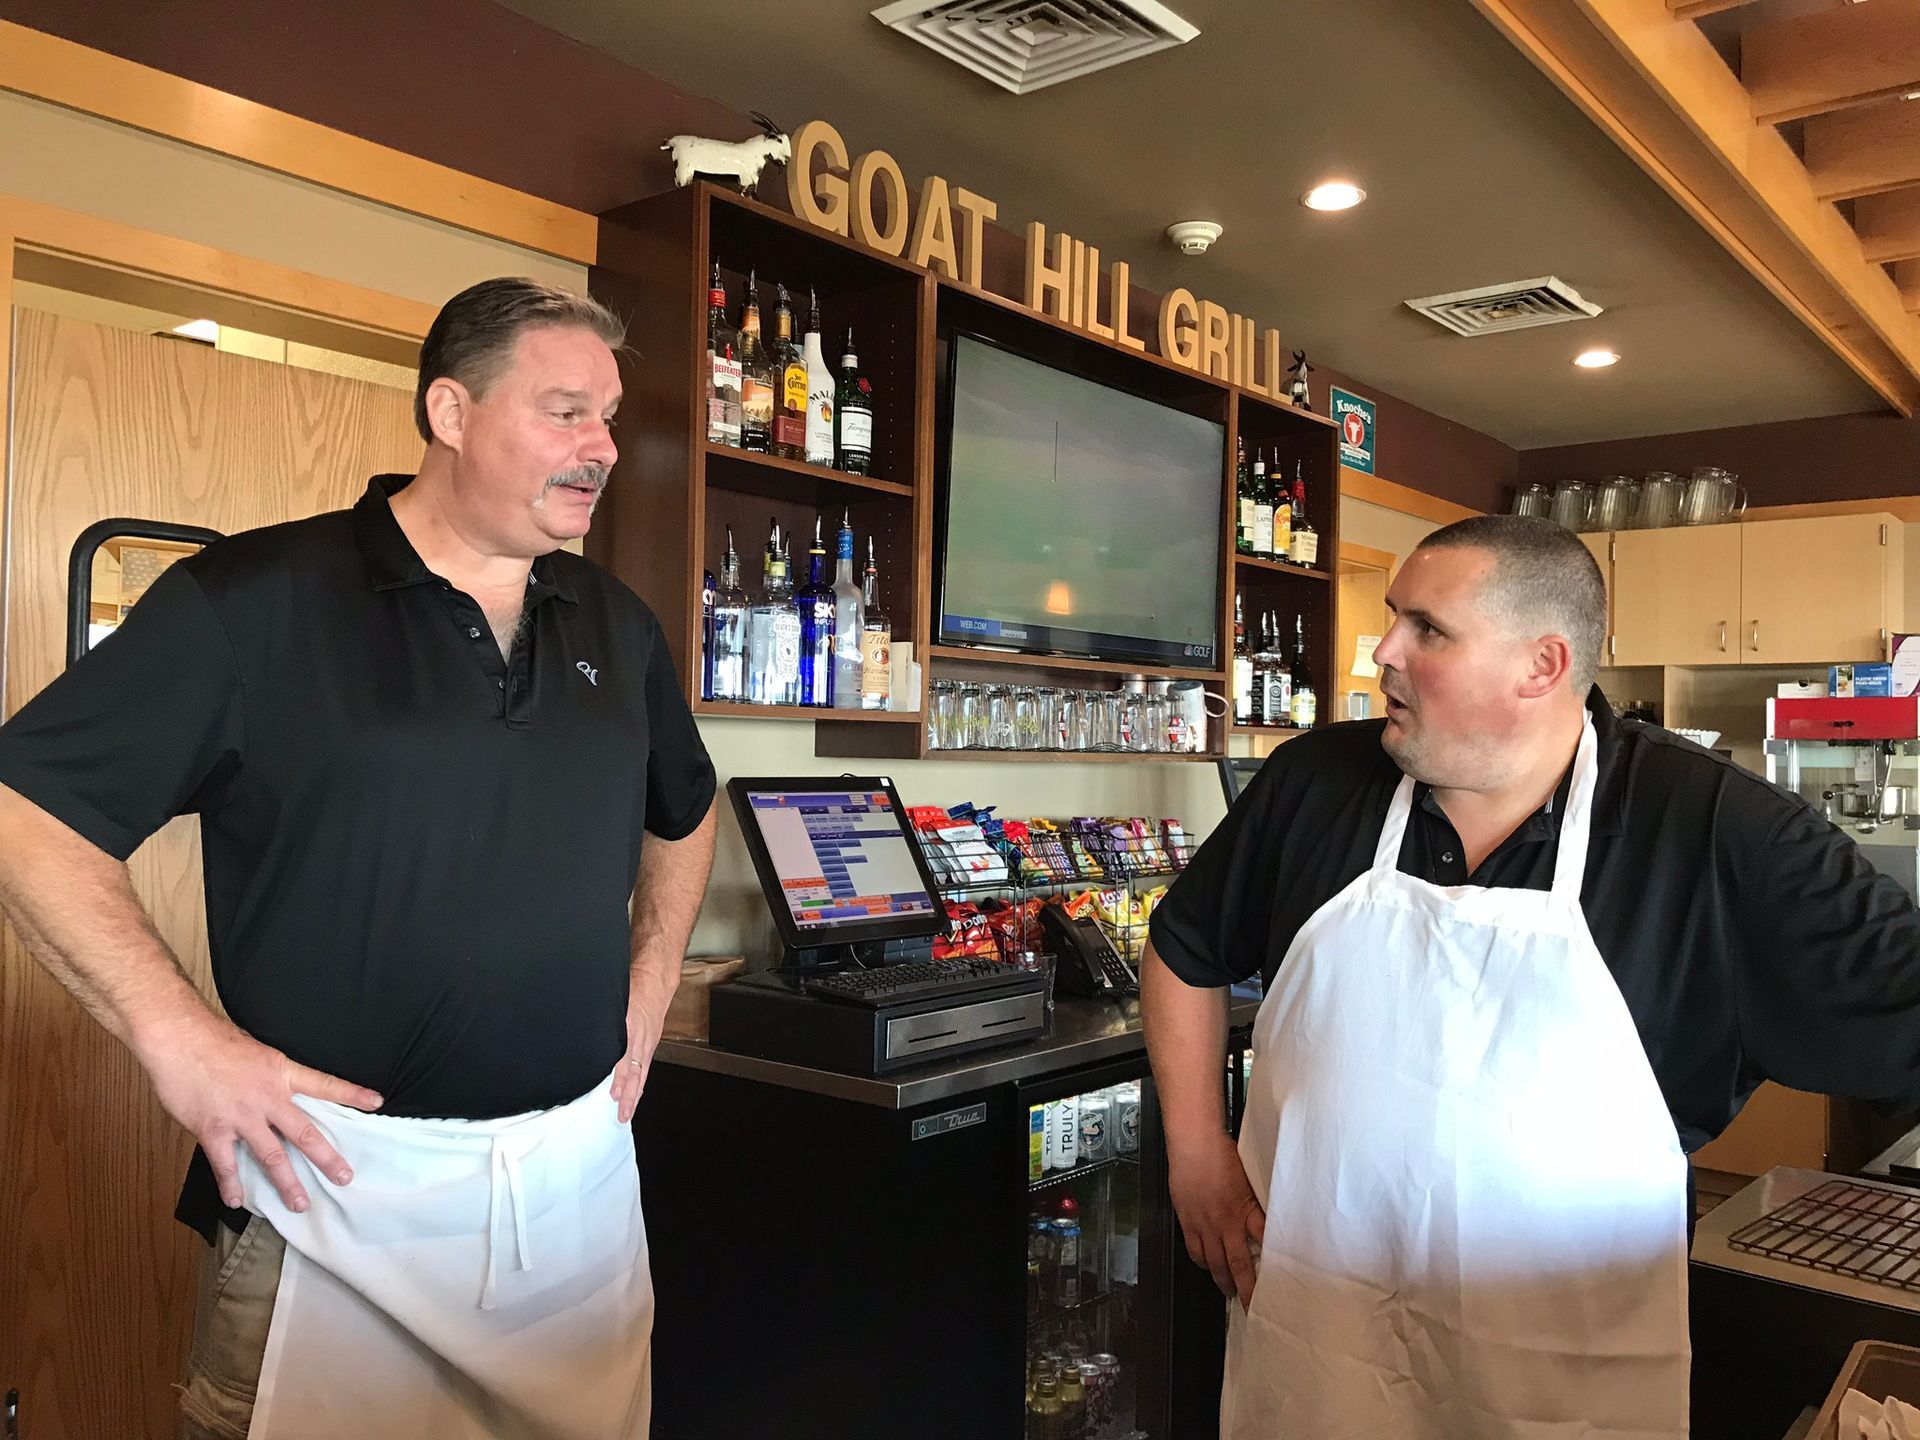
[(1844, 1229)]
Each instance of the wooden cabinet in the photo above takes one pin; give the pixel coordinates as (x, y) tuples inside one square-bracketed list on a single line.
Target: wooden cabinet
[(1676, 596), (1769, 592), (1814, 591), (1602, 547)]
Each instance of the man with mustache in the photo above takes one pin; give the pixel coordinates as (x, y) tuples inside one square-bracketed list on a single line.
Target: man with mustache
[(1521, 956), (456, 824)]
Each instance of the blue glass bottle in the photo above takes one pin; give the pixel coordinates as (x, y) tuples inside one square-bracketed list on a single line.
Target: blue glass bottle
[(814, 600)]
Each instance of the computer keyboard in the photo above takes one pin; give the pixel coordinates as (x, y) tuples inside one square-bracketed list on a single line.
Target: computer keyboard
[(920, 980)]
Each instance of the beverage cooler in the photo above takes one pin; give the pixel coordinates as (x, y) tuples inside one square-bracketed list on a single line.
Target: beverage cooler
[(826, 1267)]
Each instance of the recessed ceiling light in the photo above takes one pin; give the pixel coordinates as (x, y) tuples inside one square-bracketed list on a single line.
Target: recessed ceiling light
[(205, 331), (1334, 195), (1595, 359)]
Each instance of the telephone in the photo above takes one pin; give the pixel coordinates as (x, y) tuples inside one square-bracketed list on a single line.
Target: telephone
[(1086, 962)]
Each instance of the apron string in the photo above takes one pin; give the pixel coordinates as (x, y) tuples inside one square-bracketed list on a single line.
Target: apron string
[(505, 1177)]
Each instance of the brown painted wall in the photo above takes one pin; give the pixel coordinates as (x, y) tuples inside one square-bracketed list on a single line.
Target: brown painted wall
[(475, 86), (1790, 462)]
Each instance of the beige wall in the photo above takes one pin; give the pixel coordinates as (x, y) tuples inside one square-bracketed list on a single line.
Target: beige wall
[(77, 162), (1362, 523)]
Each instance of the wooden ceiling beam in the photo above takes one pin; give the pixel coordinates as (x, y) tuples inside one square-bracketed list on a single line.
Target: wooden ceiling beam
[(1864, 151), (1831, 59), (1907, 276), (1889, 225), (1694, 9), (1659, 89)]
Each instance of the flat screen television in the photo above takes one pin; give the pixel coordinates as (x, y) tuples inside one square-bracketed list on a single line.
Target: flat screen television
[(1076, 518)]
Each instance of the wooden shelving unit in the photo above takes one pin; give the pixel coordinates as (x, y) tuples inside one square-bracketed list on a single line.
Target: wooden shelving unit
[(665, 518)]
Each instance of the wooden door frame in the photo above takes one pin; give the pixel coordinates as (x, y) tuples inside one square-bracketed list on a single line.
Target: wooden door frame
[(74, 251)]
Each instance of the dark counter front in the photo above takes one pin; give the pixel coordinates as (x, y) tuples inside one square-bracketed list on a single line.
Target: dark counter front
[(844, 1257)]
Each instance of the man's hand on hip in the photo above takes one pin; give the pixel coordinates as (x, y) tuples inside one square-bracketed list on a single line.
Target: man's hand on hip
[(225, 1087), (1219, 1214)]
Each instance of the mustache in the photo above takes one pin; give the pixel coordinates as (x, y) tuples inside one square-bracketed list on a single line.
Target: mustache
[(590, 474)]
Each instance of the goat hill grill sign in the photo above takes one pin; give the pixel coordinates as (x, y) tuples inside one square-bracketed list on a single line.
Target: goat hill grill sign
[(865, 197)]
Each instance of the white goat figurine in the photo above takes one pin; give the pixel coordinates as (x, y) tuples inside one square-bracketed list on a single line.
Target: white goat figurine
[(737, 160)]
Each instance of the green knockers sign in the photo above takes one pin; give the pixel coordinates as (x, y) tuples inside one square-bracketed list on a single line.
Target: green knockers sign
[(1354, 416)]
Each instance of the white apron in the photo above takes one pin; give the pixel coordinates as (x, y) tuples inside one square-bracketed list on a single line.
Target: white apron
[(478, 1280), (1475, 1198)]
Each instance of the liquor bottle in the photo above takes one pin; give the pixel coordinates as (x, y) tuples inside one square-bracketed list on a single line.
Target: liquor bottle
[(790, 385), (756, 378), (723, 367), (1262, 508), (814, 601), (1266, 656), (706, 636), (1305, 702), (1305, 548), (852, 415), (1276, 691), (1242, 665), (819, 390), (876, 642), (847, 622), (729, 643), (1243, 500), (773, 632), (1282, 512)]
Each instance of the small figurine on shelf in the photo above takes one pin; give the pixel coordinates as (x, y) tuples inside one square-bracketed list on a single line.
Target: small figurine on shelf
[(739, 161), (1297, 387)]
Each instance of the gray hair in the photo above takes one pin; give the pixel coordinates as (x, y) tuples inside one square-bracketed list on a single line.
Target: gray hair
[(472, 338), (1544, 582)]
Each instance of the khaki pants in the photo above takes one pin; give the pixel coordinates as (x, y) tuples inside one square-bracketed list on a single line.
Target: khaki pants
[(239, 1277)]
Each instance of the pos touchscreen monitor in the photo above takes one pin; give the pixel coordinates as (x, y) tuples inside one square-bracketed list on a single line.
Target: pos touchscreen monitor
[(837, 860)]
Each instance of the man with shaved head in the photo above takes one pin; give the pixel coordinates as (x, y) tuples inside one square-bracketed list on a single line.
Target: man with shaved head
[(1521, 956)]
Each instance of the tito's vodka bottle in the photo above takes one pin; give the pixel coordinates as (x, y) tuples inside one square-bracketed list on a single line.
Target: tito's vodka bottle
[(773, 633), (729, 644)]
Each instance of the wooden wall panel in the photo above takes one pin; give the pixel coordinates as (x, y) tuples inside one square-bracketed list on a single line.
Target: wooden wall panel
[(96, 1279)]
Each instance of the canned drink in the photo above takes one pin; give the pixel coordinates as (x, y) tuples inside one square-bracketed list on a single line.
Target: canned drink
[(1036, 1141), (1096, 1127), (1109, 1367), (1066, 1243), (1126, 1118), (1099, 1401), (1049, 1136), (1065, 1130)]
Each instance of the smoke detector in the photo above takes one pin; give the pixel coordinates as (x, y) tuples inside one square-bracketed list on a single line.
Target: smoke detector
[(1194, 237), (1027, 45), (1520, 305)]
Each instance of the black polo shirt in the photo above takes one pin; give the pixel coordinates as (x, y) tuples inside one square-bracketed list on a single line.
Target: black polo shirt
[(1749, 937), (418, 854)]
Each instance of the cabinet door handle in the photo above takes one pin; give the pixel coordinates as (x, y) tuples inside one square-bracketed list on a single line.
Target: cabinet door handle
[(1723, 635), (1756, 636)]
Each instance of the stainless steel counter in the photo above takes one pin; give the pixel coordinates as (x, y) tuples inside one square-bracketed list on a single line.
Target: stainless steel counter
[(1084, 1031)]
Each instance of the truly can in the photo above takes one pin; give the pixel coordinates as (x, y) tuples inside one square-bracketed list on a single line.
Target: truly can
[(1096, 1127), (1036, 1141), (1127, 1118), (1065, 1130), (1049, 1135)]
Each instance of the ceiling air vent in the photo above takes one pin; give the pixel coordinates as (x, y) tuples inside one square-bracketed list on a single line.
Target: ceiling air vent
[(1546, 301), (1026, 45)]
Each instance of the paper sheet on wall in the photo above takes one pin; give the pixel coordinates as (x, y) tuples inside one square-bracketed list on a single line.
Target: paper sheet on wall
[(1363, 648)]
